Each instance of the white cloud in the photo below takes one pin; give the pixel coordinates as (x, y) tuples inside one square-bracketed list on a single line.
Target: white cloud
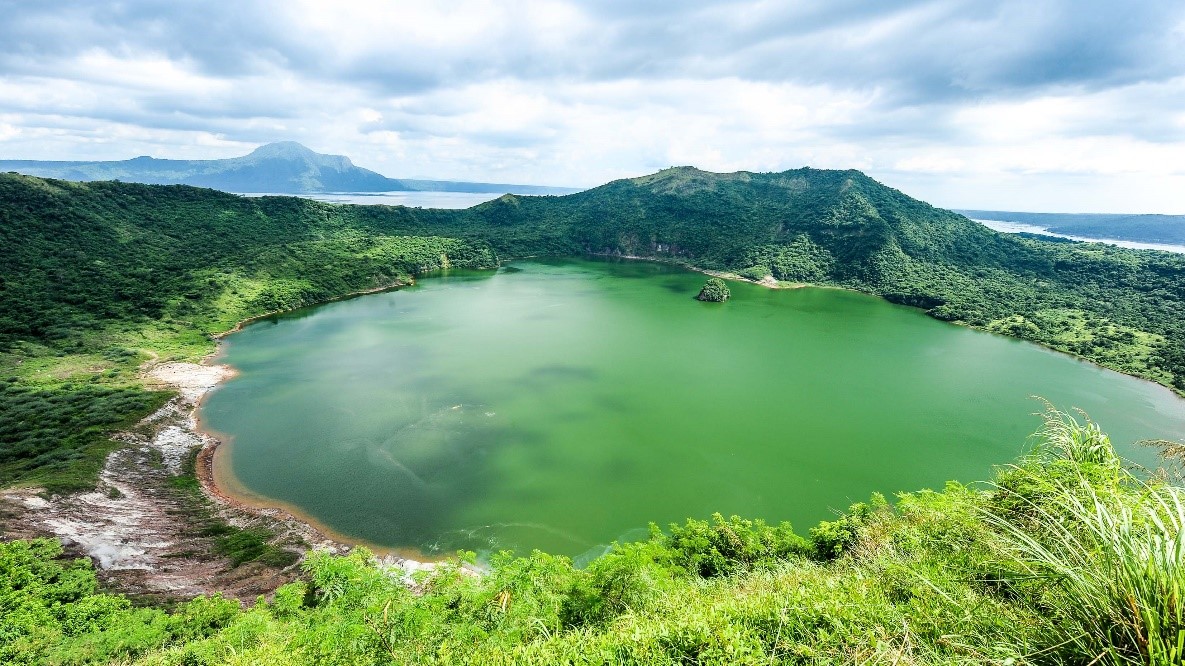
[(931, 163), (953, 101)]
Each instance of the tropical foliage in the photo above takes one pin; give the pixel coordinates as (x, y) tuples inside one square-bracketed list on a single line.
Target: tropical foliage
[(96, 278), (76, 258)]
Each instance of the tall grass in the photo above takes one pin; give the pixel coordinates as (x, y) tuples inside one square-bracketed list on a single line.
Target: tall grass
[(1113, 562), (1083, 442)]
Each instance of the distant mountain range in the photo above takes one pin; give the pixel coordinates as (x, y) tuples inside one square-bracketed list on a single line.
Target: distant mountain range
[(286, 167), (1145, 228)]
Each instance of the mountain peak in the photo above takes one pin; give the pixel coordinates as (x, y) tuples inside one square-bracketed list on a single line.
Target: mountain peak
[(283, 166), (287, 149)]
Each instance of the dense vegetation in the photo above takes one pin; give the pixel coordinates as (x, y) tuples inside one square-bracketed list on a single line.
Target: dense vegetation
[(80, 257), (59, 438), (95, 277), (1147, 228), (1066, 559), (714, 290)]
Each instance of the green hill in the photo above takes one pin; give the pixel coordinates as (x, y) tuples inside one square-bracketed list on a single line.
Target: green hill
[(96, 277), (1119, 308), (80, 257), (1066, 560)]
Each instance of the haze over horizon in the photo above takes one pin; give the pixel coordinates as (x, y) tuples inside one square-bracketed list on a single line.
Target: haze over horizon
[(1051, 106)]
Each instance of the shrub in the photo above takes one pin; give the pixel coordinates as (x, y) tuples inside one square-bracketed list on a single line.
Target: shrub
[(714, 290), (724, 546)]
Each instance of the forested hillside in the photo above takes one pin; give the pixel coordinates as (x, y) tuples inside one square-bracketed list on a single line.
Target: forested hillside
[(81, 256), (96, 277), (1067, 559)]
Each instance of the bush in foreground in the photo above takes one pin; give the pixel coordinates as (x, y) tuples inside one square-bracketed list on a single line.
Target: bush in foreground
[(1067, 559)]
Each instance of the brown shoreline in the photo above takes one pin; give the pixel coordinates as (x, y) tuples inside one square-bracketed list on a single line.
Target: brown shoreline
[(255, 505), (215, 486)]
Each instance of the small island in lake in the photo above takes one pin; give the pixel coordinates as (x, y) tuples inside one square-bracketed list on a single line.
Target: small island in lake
[(714, 290)]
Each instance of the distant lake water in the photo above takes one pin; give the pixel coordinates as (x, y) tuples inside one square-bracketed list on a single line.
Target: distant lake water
[(1019, 227), (563, 405), (409, 199)]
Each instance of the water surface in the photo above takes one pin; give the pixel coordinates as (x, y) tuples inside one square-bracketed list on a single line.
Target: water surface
[(401, 198), (1019, 227), (563, 405)]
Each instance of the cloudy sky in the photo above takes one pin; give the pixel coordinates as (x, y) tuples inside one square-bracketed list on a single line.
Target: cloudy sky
[(1047, 105)]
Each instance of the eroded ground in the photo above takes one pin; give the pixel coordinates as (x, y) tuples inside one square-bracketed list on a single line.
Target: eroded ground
[(147, 525)]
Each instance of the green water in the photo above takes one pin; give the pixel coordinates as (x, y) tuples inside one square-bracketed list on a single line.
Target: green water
[(564, 405)]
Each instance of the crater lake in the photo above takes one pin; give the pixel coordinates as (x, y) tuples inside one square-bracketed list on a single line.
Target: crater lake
[(562, 405)]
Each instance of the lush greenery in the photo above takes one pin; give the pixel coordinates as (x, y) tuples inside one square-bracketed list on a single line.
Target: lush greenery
[(78, 256), (1119, 308), (1066, 559), (714, 290), (1146, 228), (97, 278), (59, 438)]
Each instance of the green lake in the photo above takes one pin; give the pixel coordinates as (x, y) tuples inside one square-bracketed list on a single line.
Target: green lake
[(564, 405)]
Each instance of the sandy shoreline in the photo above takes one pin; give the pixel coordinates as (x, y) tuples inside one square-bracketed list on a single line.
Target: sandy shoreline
[(218, 485), (128, 524), (768, 281), (194, 382)]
